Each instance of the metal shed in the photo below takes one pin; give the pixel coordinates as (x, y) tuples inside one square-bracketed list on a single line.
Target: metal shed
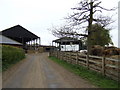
[(21, 35), (67, 41)]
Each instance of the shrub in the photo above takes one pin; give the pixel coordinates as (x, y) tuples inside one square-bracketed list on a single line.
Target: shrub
[(11, 55)]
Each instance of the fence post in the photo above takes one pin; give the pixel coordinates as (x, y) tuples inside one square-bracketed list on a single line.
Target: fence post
[(103, 65), (65, 56), (70, 57), (50, 54), (61, 55), (87, 61), (77, 58), (57, 54), (53, 53)]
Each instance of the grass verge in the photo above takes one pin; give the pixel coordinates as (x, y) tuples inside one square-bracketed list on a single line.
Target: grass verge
[(10, 56), (92, 76)]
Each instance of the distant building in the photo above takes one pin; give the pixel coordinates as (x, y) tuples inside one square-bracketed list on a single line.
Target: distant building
[(68, 44), (119, 24), (19, 35), (46, 48)]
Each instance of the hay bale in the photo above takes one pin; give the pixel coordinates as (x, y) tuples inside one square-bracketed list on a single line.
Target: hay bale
[(97, 50)]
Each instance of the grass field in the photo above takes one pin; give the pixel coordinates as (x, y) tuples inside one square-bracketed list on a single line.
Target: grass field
[(92, 76)]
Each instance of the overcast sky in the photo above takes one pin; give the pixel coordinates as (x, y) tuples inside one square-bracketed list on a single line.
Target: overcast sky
[(39, 15)]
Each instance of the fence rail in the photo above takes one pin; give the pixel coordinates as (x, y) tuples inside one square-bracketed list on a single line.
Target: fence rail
[(107, 66)]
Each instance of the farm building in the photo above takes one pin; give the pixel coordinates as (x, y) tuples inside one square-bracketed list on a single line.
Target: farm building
[(68, 44), (46, 48), (7, 41), (18, 34)]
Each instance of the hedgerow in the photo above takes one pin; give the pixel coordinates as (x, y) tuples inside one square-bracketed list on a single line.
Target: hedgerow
[(11, 55)]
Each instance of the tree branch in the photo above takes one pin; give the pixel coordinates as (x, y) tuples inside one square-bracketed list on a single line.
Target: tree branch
[(107, 9)]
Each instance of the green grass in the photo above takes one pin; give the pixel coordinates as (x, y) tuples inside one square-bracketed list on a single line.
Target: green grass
[(92, 76)]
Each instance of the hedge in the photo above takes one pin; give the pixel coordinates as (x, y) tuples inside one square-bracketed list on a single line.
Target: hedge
[(11, 55)]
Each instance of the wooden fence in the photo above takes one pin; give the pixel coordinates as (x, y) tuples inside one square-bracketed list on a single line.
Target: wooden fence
[(107, 66)]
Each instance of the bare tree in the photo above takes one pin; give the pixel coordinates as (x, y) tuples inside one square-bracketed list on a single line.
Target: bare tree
[(85, 13), (66, 31), (61, 31)]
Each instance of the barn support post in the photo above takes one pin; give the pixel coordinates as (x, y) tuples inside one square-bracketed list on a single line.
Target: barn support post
[(59, 46), (39, 41), (61, 51), (80, 46), (65, 46), (26, 44), (58, 49), (22, 42), (55, 44), (52, 48), (31, 44), (52, 43), (36, 44)]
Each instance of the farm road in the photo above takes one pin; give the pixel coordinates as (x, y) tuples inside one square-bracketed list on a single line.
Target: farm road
[(37, 71)]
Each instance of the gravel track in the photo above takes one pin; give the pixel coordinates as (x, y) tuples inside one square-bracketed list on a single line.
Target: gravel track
[(37, 71)]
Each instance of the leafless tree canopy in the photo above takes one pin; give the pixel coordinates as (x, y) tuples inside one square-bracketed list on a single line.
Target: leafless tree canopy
[(63, 31), (82, 13), (87, 11)]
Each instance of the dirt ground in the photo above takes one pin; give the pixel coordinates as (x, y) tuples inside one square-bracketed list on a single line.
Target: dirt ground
[(37, 71)]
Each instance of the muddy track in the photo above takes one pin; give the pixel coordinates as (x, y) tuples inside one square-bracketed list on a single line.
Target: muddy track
[(37, 71)]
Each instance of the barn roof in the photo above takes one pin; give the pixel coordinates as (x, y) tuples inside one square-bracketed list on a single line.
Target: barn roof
[(19, 34), (67, 40), (6, 40)]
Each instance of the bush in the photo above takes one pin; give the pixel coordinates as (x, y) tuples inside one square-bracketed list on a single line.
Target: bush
[(11, 55)]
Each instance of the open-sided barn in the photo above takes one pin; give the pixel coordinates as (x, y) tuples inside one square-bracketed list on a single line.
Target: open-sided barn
[(21, 35)]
